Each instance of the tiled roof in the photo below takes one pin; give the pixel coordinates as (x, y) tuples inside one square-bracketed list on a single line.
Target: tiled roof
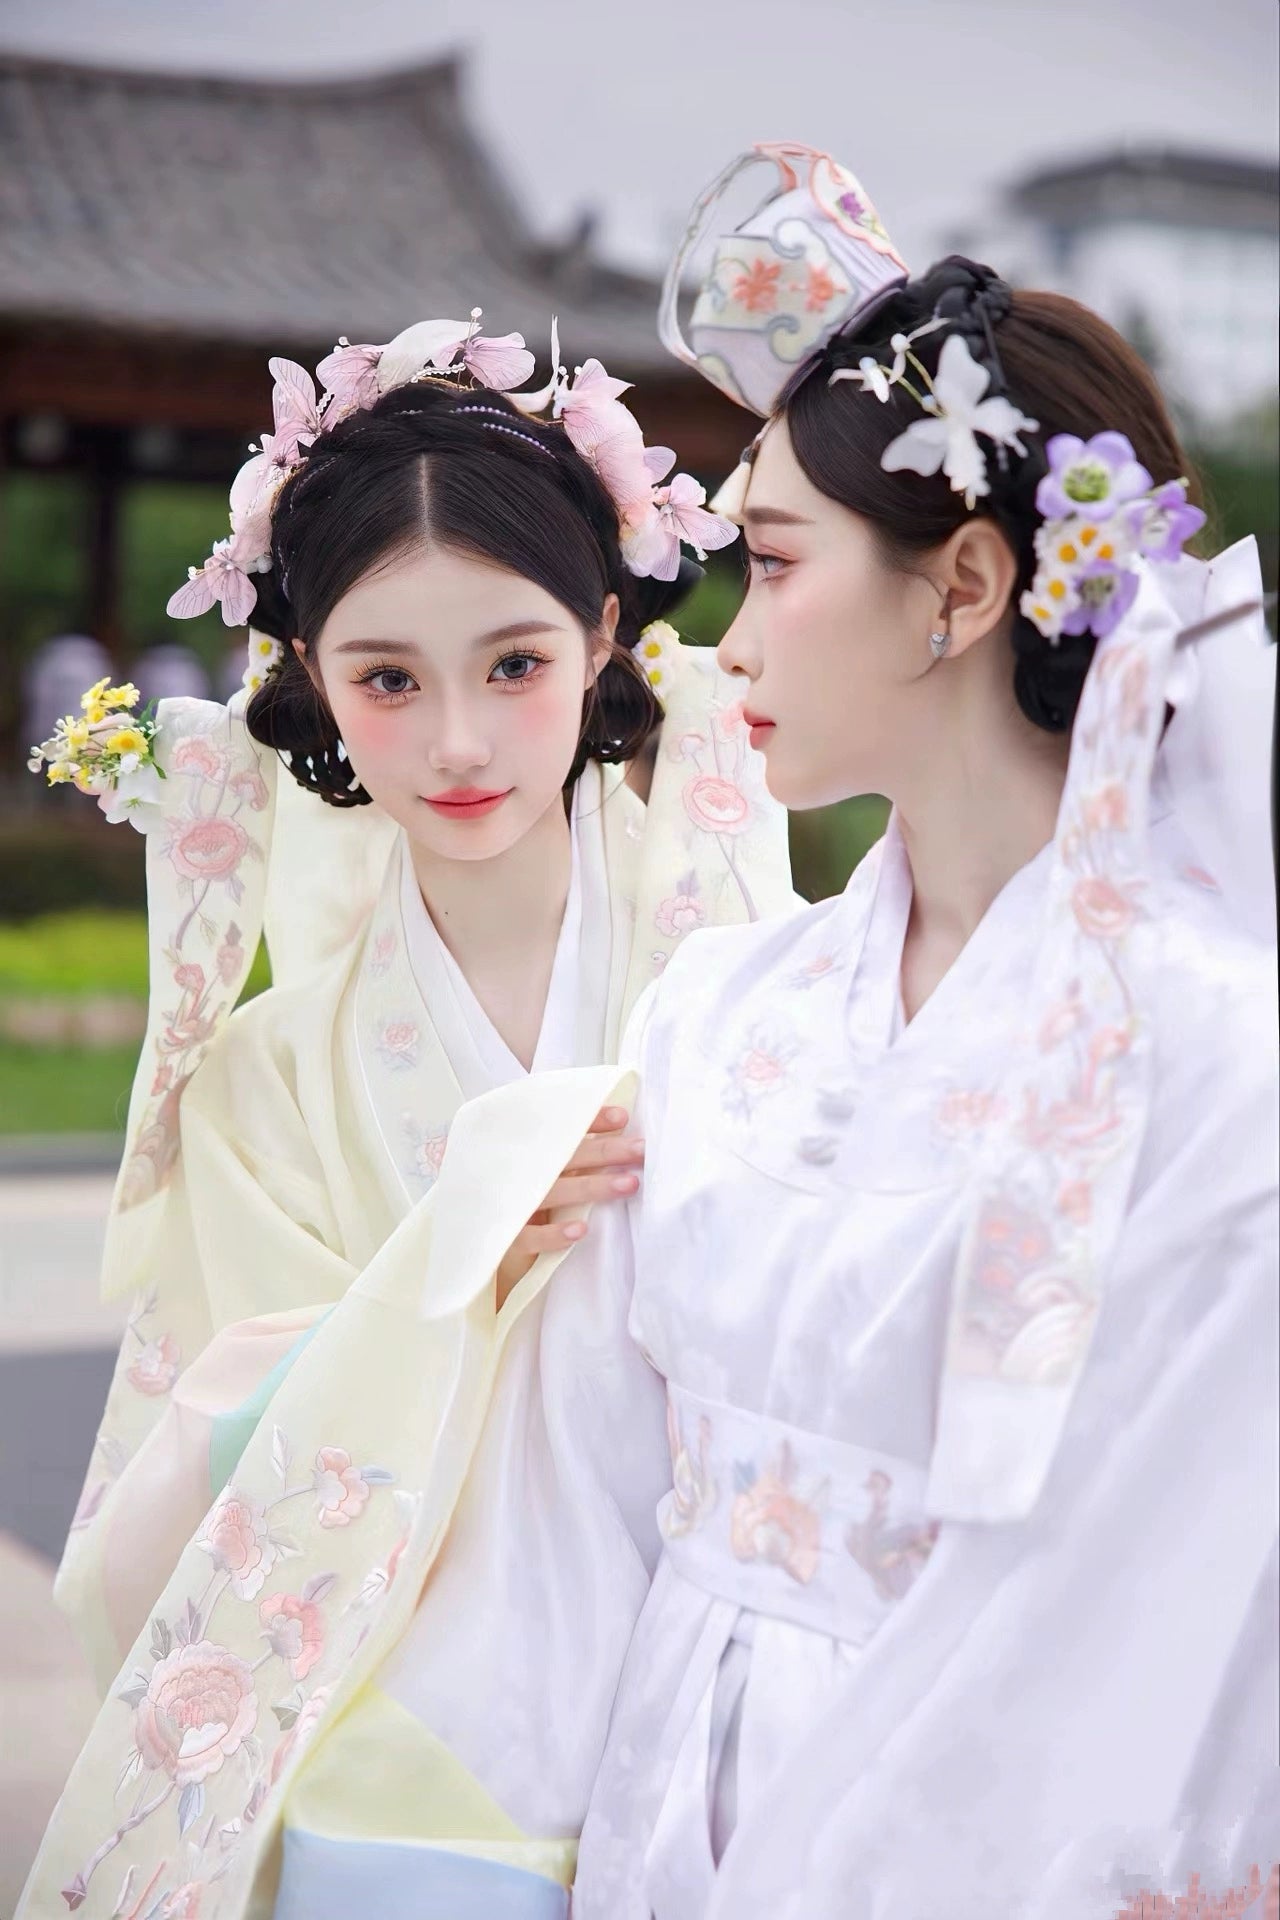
[(1182, 185), (279, 212)]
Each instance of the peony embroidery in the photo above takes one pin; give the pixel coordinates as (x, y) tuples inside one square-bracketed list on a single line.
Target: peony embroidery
[(198, 1706), (198, 1709), (716, 805), (208, 849)]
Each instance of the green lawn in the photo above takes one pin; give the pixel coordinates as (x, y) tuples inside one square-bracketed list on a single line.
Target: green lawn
[(64, 1089), (74, 956)]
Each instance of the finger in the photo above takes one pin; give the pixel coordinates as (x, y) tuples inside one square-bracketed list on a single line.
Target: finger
[(608, 1120), (608, 1151), (585, 1189), (549, 1239)]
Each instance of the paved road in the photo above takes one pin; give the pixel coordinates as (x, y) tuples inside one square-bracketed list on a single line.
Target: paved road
[(57, 1344)]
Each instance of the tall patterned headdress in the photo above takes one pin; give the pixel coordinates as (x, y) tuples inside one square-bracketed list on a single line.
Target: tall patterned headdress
[(812, 260)]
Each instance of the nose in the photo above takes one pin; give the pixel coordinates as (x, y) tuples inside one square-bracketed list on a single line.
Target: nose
[(739, 650), (459, 744)]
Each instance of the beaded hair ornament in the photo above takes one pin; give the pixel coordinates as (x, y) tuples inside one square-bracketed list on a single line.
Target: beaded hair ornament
[(654, 514)]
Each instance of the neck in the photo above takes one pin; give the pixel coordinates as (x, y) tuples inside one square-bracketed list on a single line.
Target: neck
[(488, 911), (983, 803)]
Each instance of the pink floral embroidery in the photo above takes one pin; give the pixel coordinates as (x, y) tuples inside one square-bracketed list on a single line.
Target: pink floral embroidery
[(1102, 908), (716, 805), (302, 1731), (821, 290), (894, 1556), (199, 1706), (382, 952), (757, 288), (681, 911), (249, 785), (156, 1367), (198, 754), (1106, 808), (426, 1151), (769, 1521), (397, 1043), (237, 1538), (340, 1486), (730, 722), (208, 848), (294, 1631), (759, 1065), (1075, 1201)]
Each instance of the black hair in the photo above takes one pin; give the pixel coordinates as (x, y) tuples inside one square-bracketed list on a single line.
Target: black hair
[(1056, 361), (463, 468)]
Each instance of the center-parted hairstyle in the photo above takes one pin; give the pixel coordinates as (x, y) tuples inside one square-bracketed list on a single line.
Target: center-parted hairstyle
[(435, 466)]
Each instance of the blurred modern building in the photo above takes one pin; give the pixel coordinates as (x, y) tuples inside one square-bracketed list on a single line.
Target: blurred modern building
[(1179, 249), (160, 235)]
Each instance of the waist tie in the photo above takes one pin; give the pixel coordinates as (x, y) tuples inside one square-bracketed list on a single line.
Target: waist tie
[(788, 1523)]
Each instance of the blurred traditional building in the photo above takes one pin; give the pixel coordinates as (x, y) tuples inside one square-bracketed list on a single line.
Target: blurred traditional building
[(1177, 248), (160, 235)]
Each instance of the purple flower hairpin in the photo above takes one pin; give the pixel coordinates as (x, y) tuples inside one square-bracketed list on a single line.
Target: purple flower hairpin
[(1102, 515)]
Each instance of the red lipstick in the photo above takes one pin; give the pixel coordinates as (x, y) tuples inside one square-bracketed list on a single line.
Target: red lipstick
[(466, 803), (760, 727)]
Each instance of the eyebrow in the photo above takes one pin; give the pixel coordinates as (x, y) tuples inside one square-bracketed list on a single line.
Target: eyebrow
[(514, 630), (774, 517)]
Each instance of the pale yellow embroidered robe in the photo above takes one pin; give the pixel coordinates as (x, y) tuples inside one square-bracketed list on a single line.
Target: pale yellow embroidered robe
[(305, 1317)]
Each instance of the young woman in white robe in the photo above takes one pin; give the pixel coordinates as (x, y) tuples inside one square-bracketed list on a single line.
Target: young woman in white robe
[(443, 612), (957, 1238)]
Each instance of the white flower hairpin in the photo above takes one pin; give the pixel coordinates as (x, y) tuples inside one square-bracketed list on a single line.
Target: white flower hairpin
[(956, 409)]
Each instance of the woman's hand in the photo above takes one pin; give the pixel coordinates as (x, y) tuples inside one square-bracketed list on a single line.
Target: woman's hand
[(604, 1167)]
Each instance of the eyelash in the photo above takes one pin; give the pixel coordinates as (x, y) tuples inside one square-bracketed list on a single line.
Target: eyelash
[(759, 560), (514, 682)]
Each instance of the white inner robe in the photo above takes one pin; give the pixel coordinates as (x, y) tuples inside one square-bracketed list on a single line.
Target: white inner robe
[(515, 1648)]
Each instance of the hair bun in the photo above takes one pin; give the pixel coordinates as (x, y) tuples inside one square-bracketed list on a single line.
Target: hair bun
[(969, 294)]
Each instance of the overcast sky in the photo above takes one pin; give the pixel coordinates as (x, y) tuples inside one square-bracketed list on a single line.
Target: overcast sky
[(629, 108)]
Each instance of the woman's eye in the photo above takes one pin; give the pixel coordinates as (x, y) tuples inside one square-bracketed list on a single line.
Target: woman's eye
[(767, 565), (390, 682), (514, 667)]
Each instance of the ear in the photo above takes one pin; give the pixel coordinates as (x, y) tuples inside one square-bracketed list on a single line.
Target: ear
[(977, 573), (602, 646)]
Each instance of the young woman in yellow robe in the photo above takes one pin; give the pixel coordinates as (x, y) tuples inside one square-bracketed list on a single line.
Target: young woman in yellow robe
[(321, 1402)]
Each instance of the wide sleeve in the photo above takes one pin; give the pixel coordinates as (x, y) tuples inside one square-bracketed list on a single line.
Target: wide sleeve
[(243, 1257)]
